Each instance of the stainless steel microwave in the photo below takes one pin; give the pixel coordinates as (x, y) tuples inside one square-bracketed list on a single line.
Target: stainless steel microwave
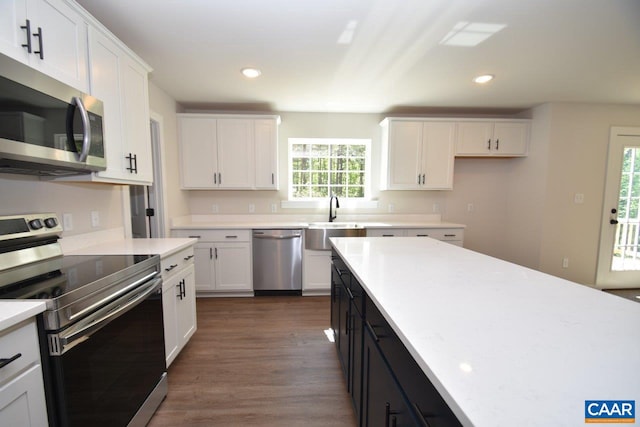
[(46, 127)]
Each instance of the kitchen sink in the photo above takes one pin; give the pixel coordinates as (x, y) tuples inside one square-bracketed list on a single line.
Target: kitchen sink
[(335, 225), (317, 236)]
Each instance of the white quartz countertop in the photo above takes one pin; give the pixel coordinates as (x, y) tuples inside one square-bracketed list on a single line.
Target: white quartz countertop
[(162, 247), (285, 221), (503, 344), (13, 311)]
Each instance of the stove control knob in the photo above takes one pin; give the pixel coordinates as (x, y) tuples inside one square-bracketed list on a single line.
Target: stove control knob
[(35, 224), (50, 222)]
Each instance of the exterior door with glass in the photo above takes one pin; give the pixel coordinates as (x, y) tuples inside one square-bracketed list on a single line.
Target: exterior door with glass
[(619, 252)]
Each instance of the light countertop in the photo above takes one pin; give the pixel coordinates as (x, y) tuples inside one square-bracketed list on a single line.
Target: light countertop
[(294, 221), (162, 247), (503, 344), (13, 311)]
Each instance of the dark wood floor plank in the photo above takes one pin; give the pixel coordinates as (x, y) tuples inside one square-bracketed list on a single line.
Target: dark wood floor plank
[(262, 361)]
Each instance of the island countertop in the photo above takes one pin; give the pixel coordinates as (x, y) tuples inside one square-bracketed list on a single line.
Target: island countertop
[(503, 344)]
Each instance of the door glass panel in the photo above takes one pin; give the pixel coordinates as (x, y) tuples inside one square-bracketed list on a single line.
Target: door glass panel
[(626, 256)]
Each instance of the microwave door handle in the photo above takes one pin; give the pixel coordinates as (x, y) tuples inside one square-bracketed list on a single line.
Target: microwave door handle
[(86, 129)]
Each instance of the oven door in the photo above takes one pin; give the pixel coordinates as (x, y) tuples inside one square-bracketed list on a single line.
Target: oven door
[(108, 364)]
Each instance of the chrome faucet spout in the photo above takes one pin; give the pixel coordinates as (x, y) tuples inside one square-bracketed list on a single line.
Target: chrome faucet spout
[(333, 214)]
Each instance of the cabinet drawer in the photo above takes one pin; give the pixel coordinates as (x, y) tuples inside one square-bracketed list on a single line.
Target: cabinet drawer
[(386, 232), (19, 339), (208, 235), (437, 233), (176, 262)]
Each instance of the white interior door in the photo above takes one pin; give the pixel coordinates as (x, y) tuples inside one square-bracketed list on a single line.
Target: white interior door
[(619, 255)]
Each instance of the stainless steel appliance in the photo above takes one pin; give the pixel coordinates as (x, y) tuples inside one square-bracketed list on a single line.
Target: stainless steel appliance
[(101, 336), (46, 127), (277, 262)]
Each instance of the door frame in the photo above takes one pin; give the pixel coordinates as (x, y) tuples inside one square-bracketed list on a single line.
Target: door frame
[(605, 279)]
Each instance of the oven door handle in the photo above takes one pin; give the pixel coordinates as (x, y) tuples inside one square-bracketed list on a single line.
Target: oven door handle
[(122, 291), (65, 340)]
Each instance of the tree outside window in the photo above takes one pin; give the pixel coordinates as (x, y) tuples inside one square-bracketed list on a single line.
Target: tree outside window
[(321, 167)]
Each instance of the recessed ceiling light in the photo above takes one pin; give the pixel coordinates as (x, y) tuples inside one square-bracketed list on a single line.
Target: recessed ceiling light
[(485, 78), (251, 73)]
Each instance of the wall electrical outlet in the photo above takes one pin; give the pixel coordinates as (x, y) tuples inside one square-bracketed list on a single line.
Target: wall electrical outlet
[(391, 208), (565, 262), (274, 207), (214, 208), (95, 219), (67, 221), (578, 198), (252, 208), (470, 207), (436, 208)]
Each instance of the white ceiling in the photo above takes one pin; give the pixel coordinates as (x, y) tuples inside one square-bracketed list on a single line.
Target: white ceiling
[(550, 50)]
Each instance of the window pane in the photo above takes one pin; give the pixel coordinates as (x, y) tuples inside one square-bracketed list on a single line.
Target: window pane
[(356, 192), (356, 178), (338, 178), (338, 191), (319, 192), (300, 150), (300, 191), (357, 150), (356, 164), (300, 164), (339, 150), (320, 164), (635, 187), (319, 150)]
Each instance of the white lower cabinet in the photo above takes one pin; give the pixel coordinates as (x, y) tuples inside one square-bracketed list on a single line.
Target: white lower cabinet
[(178, 301), (454, 236), (22, 401), (316, 272), (222, 261)]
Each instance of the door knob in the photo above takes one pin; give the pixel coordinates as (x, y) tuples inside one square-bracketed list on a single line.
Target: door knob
[(613, 221)]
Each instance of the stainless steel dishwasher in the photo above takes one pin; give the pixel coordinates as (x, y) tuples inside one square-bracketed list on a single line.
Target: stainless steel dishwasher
[(277, 262)]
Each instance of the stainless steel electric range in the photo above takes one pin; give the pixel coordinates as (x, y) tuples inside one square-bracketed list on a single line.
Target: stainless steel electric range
[(101, 336)]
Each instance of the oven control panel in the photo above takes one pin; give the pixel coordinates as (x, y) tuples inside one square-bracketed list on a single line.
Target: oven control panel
[(29, 225)]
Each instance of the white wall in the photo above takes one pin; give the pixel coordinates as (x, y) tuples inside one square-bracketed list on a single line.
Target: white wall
[(25, 194), (578, 144), (176, 201)]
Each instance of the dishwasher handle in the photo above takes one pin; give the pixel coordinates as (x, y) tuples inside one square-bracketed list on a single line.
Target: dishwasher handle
[(276, 237)]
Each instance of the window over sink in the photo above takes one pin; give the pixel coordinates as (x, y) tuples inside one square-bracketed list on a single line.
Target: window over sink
[(323, 167)]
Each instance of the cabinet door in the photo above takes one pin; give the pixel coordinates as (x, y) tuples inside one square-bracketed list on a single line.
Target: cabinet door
[(266, 149), (438, 149), (233, 267), (404, 156), (336, 297), (187, 307), (106, 85), (198, 153), (235, 153), (22, 401), (204, 266), (355, 360), (510, 139), (13, 15), (64, 42), (317, 270), (474, 138), (170, 296), (382, 401), (135, 108)]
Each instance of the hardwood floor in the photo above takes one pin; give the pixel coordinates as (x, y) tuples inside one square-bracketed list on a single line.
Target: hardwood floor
[(262, 361)]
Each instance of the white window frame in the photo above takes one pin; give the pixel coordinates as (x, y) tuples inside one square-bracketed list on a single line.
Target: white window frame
[(347, 202)]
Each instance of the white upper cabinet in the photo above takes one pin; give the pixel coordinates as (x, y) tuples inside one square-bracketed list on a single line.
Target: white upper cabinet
[(228, 152), (235, 153), (48, 35), (266, 149), (119, 80), (417, 154), (507, 138)]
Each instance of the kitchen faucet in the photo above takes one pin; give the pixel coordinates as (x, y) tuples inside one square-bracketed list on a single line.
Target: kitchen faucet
[(331, 213)]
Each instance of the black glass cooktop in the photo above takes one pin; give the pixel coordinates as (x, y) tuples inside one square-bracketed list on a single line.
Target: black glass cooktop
[(56, 277)]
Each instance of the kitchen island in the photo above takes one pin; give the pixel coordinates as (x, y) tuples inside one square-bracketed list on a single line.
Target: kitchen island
[(501, 344)]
